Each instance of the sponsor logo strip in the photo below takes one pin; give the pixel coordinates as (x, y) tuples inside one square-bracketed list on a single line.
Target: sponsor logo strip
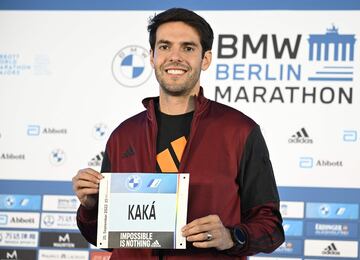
[(290, 247), (324, 229), (62, 254), (100, 255), (9, 238), (62, 240), (293, 227), (58, 221), (332, 210), (19, 219), (60, 203), (331, 248), (17, 254), (292, 209), (20, 202)]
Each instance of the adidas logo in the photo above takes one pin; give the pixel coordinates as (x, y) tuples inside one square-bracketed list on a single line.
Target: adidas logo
[(331, 250), (129, 152), (96, 161), (155, 244), (300, 137)]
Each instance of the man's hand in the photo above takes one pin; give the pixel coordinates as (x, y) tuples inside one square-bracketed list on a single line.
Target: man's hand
[(86, 183), (208, 232)]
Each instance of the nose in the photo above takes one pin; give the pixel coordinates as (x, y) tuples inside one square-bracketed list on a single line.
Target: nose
[(175, 55)]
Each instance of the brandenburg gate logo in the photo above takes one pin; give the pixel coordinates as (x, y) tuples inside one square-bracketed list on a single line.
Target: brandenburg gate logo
[(335, 52)]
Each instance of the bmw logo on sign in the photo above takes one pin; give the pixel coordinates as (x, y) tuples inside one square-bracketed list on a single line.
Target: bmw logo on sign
[(133, 182), (131, 66)]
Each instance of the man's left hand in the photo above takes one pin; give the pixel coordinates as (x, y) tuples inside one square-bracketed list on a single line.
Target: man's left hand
[(208, 232)]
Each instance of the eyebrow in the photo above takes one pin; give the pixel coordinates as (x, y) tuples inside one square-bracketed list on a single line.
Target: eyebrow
[(191, 43)]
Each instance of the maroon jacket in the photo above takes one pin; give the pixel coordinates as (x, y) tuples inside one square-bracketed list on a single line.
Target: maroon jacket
[(230, 175)]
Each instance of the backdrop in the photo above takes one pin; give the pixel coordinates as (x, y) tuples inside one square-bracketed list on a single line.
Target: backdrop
[(70, 72)]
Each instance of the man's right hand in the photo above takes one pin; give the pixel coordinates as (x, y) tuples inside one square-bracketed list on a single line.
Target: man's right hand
[(85, 184)]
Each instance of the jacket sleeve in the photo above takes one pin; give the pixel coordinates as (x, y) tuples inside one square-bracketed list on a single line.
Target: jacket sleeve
[(87, 218), (261, 219)]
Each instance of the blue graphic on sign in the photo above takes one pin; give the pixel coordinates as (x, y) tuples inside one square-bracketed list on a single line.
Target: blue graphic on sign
[(290, 247), (332, 37), (350, 136), (144, 183), (332, 210), (306, 162), (33, 130), (132, 66), (133, 182), (319, 49), (20, 202), (3, 219), (293, 227), (326, 229)]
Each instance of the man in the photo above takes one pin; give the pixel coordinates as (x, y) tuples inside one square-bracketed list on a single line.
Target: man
[(233, 207)]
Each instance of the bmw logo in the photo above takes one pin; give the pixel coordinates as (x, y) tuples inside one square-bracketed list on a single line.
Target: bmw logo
[(131, 66), (9, 201), (100, 131), (133, 182), (57, 157), (324, 210)]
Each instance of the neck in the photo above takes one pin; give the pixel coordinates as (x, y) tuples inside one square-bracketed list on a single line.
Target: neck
[(177, 105)]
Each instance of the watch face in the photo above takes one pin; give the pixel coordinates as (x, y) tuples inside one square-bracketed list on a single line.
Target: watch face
[(239, 236)]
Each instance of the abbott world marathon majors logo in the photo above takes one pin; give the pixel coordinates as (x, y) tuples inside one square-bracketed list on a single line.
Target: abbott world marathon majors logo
[(131, 66), (317, 68)]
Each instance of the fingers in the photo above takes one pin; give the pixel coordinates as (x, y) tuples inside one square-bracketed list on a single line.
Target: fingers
[(202, 224), (208, 232), (86, 176), (86, 182)]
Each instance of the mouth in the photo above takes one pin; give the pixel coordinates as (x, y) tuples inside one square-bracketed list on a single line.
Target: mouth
[(176, 71)]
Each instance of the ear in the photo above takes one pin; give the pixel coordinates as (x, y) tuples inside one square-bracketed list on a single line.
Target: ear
[(152, 58), (206, 61)]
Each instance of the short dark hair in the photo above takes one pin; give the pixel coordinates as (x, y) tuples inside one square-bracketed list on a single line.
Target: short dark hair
[(186, 16)]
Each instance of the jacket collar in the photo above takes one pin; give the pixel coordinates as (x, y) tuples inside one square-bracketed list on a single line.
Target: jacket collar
[(201, 103)]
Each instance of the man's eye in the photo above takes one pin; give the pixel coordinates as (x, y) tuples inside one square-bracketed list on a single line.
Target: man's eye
[(163, 47), (189, 48)]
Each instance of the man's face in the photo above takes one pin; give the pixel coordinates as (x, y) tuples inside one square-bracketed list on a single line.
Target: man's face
[(177, 59)]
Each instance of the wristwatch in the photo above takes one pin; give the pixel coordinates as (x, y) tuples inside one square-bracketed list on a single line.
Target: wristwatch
[(238, 236)]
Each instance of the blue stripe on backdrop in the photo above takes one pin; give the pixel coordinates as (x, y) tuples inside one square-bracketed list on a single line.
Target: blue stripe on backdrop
[(191, 4), (335, 195)]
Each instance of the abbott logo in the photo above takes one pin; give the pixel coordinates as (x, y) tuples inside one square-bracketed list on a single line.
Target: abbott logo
[(33, 130), (306, 162), (350, 136), (3, 219)]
